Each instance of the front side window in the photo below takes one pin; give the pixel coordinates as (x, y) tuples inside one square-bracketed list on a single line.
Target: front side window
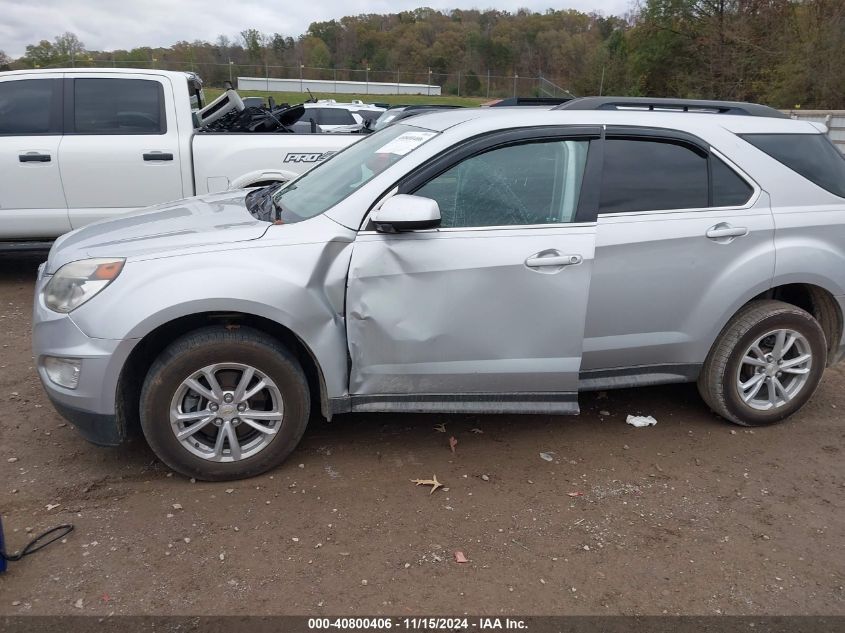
[(118, 106), (319, 189), (811, 155), (30, 106), (652, 175), (533, 183)]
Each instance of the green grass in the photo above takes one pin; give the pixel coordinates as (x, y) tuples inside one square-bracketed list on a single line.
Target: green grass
[(299, 97)]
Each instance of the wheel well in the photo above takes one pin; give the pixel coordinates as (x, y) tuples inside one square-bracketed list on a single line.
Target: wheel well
[(147, 350), (263, 183), (818, 302)]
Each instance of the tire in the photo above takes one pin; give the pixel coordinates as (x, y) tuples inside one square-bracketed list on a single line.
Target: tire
[(281, 406), (728, 373)]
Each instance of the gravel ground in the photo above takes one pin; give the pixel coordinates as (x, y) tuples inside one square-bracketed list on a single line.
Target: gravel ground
[(692, 516)]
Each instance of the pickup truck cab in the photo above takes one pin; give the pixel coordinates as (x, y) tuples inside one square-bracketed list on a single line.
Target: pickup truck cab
[(79, 145)]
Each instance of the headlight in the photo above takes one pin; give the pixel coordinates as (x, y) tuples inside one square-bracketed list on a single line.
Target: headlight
[(77, 282)]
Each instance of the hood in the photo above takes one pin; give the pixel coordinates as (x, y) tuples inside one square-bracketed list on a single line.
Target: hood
[(205, 220)]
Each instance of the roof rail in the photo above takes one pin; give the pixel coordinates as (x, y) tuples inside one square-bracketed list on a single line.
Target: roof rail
[(530, 101), (671, 105)]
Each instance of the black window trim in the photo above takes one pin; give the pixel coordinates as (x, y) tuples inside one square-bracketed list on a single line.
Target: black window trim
[(70, 109), (490, 141), (56, 120), (691, 141)]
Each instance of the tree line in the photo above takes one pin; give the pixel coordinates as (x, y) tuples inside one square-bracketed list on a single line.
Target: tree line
[(787, 53)]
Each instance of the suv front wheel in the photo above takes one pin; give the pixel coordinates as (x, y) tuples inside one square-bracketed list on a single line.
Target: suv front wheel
[(223, 403), (765, 365)]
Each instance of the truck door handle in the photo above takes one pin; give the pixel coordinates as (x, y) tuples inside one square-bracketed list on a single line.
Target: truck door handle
[(34, 157), (158, 156), (723, 230), (538, 260)]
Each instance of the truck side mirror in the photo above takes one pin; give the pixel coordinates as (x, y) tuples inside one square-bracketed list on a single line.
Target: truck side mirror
[(403, 212)]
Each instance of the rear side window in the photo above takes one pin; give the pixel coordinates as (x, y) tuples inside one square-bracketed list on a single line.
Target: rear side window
[(729, 190), (811, 155), (118, 106), (333, 116), (30, 106), (652, 175)]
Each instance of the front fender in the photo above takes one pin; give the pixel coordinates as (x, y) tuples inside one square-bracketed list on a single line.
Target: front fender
[(301, 287)]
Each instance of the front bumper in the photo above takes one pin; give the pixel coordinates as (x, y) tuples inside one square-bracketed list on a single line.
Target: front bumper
[(91, 407)]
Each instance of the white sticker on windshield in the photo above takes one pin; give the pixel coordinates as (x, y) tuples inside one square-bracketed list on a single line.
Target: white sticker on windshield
[(405, 142)]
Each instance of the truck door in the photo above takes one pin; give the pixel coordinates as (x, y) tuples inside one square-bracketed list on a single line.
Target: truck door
[(32, 203), (121, 146)]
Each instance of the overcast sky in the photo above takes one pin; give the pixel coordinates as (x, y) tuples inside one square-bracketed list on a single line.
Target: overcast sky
[(125, 24)]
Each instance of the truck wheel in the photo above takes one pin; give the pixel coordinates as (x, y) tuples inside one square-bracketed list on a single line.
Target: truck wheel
[(765, 365), (222, 404)]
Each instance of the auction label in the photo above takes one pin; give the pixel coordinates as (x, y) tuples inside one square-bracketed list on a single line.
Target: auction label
[(419, 624)]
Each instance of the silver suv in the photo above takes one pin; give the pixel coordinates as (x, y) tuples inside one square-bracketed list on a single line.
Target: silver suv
[(484, 261)]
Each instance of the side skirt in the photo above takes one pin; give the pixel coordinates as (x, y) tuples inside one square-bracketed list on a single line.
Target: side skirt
[(643, 376), (538, 403)]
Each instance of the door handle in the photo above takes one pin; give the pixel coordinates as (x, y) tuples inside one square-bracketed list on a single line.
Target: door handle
[(538, 261), (157, 156), (34, 157), (723, 230)]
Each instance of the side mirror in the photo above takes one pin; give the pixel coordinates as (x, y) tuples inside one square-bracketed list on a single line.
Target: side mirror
[(406, 213)]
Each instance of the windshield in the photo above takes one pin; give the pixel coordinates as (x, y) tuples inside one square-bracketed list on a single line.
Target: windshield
[(385, 118), (330, 182)]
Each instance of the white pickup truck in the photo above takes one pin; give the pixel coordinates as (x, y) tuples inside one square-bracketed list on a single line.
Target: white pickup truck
[(79, 145)]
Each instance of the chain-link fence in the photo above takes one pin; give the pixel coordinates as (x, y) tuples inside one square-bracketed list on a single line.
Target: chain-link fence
[(464, 83)]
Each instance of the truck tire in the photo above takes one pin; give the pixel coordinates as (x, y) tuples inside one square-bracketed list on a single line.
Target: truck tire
[(220, 404), (765, 364)]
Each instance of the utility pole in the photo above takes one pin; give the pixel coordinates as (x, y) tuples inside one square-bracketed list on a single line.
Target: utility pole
[(488, 83), (230, 72), (515, 77), (301, 66)]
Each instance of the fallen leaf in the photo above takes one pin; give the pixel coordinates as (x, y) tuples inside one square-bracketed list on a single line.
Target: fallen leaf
[(574, 494), (476, 431), (547, 457), (428, 482), (440, 428), (453, 443), (459, 557)]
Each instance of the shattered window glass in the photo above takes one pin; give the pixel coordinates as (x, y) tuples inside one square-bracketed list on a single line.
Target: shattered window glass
[(532, 183), (334, 179)]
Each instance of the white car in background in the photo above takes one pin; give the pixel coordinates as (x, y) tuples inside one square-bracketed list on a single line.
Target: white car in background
[(336, 117), (84, 144)]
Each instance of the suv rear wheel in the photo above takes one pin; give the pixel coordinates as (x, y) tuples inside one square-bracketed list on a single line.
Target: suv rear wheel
[(765, 365), (222, 404)]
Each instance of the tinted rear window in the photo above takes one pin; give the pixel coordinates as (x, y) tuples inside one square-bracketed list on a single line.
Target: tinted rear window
[(333, 116), (118, 106), (811, 155), (729, 190), (649, 175)]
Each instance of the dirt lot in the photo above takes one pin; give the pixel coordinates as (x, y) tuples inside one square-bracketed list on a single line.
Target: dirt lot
[(692, 516)]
